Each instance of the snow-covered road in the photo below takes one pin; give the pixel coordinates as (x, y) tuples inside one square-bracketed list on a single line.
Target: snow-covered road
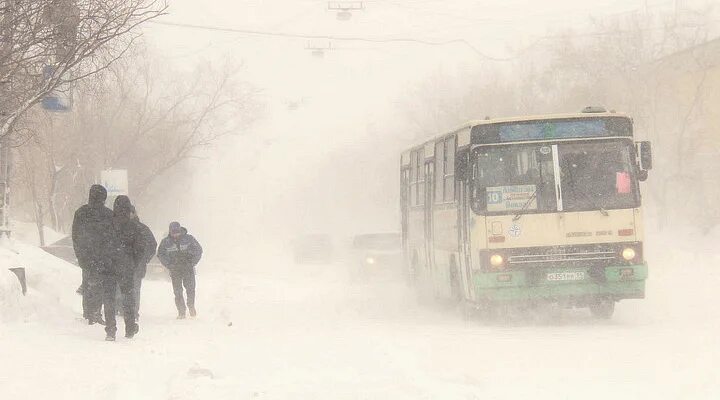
[(306, 333)]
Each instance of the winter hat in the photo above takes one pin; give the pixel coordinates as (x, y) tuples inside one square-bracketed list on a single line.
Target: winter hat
[(98, 194), (122, 205), (175, 227)]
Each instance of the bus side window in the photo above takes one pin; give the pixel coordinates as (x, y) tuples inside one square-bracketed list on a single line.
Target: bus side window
[(413, 178), (439, 171), (420, 174), (449, 172), (405, 187)]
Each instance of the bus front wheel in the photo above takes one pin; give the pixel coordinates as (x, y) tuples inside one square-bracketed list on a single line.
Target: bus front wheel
[(602, 308)]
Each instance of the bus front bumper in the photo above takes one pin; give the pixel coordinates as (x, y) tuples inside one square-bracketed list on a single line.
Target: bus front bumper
[(554, 284)]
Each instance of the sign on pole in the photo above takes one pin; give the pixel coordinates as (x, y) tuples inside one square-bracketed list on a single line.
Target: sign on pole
[(59, 99), (115, 181)]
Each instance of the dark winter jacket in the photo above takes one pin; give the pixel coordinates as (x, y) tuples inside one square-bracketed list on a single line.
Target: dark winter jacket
[(129, 236), (181, 254), (146, 250), (92, 231)]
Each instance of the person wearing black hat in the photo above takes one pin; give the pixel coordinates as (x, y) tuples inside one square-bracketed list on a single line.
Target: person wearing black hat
[(122, 269), (179, 252), (93, 242)]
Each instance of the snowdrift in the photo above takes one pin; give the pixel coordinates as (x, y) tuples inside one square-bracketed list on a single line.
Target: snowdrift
[(51, 284)]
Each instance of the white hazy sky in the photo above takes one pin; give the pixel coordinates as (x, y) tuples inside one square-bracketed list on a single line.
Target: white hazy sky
[(350, 89), (284, 68), (492, 25)]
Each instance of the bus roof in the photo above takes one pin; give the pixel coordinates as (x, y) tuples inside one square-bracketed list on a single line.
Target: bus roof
[(526, 118), (472, 123)]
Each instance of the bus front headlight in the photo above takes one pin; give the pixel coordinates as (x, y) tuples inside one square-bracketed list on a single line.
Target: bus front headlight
[(628, 254), (497, 261)]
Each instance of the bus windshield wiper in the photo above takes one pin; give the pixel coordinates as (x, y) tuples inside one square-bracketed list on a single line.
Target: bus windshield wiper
[(590, 200), (525, 206)]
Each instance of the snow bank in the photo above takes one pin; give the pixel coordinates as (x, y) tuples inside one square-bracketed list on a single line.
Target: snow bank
[(51, 284)]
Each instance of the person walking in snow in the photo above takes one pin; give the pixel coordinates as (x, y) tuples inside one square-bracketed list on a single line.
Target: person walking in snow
[(122, 269), (143, 253), (179, 252), (93, 241)]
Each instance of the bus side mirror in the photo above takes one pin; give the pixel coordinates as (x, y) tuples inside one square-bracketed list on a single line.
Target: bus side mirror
[(645, 156), (642, 175), (462, 166)]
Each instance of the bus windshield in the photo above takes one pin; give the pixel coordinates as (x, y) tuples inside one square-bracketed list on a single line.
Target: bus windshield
[(597, 176), (521, 178)]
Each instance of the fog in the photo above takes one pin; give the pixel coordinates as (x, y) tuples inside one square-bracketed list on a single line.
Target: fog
[(324, 152), (294, 121)]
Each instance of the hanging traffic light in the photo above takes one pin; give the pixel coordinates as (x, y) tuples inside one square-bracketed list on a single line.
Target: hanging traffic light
[(318, 49), (345, 8)]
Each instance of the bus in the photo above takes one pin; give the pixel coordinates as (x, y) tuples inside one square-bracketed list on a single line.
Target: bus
[(529, 210)]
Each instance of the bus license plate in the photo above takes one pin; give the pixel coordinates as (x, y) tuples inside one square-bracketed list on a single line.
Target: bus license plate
[(566, 276)]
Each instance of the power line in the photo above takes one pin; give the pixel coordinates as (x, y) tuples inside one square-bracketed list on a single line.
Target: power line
[(332, 37), (462, 42)]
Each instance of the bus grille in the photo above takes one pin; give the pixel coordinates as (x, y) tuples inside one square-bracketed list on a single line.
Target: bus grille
[(565, 256), (568, 257)]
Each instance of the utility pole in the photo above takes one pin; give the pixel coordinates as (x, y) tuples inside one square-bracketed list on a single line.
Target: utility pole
[(7, 33), (5, 157), (61, 17)]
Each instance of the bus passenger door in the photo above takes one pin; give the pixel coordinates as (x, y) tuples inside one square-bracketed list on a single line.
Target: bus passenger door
[(464, 240), (428, 210), (464, 215), (404, 210)]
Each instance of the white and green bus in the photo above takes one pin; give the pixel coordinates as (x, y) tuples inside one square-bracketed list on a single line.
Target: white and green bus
[(530, 209)]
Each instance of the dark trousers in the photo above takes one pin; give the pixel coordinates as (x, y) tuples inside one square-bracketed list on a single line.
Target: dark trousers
[(180, 278), (91, 293), (137, 285), (110, 282)]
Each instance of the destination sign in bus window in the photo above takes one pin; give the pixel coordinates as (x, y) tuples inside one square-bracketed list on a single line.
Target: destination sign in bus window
[(554, 129), (511, 198)]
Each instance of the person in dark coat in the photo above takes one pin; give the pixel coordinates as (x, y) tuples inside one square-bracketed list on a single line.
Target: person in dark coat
[(143, 254), (93, 242), (121, 271), (179, 252)]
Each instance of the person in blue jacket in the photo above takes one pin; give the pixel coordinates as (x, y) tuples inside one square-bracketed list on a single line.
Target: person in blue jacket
[(179, 252)]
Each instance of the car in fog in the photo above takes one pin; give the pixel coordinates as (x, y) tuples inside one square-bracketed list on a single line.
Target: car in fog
[(377, 253), (313, 249)]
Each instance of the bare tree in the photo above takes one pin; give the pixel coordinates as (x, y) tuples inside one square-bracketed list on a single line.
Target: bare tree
[(136, 115), (154, 121), (28, 167), (50, 44)]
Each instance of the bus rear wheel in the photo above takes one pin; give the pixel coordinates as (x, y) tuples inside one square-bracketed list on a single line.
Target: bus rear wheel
[(602, 308)]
